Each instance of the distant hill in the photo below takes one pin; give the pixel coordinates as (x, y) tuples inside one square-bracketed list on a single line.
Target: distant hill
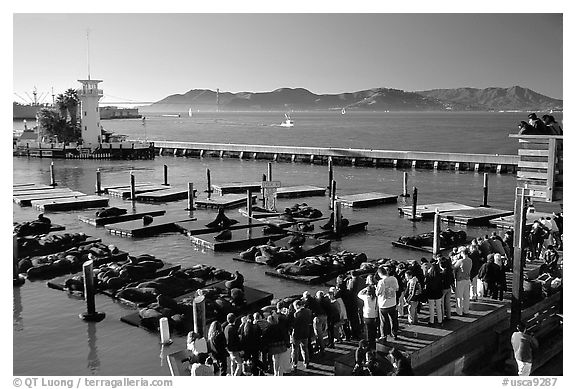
[(377, 99)]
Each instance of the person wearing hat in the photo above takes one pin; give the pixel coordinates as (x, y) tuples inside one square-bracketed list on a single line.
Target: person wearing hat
[(535, 126)]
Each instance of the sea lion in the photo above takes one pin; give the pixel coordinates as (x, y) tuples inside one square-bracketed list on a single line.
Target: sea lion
[(224, 235), (138, 295), (111, 211), (236, 282), (237, 296), (147, 219)]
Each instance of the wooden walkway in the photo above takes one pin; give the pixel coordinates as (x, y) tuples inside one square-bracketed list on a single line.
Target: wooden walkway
[(478, 216), (367, 199), (136, 228), (300, 191), (427, 211), (224, 201), (166, 194), (236, 187), (67, 204), (102, 221)]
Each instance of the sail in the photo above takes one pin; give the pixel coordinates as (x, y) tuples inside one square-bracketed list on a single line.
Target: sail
[(190, 112)]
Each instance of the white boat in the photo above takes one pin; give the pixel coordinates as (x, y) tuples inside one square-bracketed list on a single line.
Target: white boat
[(190, 112), (288, 122), (343, 111)]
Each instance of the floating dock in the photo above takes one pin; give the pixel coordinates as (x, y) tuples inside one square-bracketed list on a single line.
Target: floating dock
[(26, 200), (300, 191), (367, 199), (198, 227), (54, 271), (317, 232), (309, 280), (428, 249), (478, 216), (236, 187), (240, 239), (224, 201), (102, 221), (280, 222), (427, 211), (46, 250), (310, 247), (136, 228), (172, 194), (508, 221), (30, 188), (67, 204), (124, 191)]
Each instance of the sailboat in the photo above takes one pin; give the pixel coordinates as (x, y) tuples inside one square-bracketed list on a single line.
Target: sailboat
[(190, 112), (343, 111), (288, 122)]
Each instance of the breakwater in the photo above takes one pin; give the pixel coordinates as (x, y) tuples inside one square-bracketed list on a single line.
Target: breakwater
[(343, 156)]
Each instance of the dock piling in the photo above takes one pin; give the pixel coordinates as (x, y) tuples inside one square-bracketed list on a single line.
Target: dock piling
[(405, 185), (262, 190), (269, 171), (190, 198), (17, 278), (337, 218), (437, 230), (332, 194), (165, 175), (52, 178), (165, 331), (98, 181), (249, 205), (414, 203), (89, 294), (132, 186), (485, 191), (199, 315), (330, 176), (520, 209), (209, 184)]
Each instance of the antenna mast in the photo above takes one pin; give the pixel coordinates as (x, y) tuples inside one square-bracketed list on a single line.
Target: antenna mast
[(88, 49)]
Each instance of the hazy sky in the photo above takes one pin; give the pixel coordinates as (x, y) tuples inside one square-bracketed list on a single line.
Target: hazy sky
[(145, 57)]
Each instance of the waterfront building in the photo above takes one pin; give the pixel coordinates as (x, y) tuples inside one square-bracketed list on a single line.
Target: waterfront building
[(89, 96)]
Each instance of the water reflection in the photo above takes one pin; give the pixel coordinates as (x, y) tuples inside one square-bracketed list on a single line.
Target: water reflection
[(18, 322), (93, 360)]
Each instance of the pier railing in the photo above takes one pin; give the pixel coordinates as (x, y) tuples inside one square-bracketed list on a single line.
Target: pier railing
[(540, 166), (353, 156)]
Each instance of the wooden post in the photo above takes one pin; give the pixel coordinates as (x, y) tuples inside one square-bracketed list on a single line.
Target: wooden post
[(269, 171), (17, 278), (518, 266), (199, 315), (437, 230), (337, 218), (262, 190), (165, 331), (485, 191), (414, 202), (190, 197), (132, 186), (165, 175), (405, 185), (249, 205), (98, 181), (52, 178), (332, 194), (330, 176), (89, 292), (209, 184)]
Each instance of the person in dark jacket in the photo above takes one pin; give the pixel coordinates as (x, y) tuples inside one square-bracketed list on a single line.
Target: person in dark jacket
[(433, 291), (217, 346), (273, 338), (343, 293), (251, 337), (447, 286), (500, 278), (301, 332), (233, 345), (477, 260), (354, 313), (401, 364), (488, 273)]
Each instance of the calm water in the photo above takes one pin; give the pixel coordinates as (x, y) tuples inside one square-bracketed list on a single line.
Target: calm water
[(50, 339)]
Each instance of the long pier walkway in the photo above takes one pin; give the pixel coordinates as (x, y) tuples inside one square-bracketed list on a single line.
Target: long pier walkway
[(343, 156)]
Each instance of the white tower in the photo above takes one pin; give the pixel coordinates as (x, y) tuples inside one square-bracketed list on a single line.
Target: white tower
[(89, 97)]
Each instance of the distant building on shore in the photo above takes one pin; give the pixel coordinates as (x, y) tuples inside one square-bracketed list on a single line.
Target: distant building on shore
[(112, 112)]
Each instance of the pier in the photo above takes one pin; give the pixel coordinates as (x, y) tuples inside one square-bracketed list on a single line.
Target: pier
[(343, 156)]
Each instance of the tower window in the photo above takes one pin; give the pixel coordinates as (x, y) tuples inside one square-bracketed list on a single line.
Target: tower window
[(85, 113), (85, 128)]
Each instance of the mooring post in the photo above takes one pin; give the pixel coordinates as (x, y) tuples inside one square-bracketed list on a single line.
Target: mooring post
[(17, 278), (89, 294), (199, 314), (209, 184), (337, 218), (165, 331), (414, 202), (332, 194), (405, 185), (269, 171), (437, 230), (520, 208), (98, 181), (190, 198), (485, 191), (330, 176), (165, 175), (132, 186), (52, 178), (249, 205)]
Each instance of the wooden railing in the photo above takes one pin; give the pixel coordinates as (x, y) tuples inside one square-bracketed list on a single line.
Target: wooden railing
[(540, 166)]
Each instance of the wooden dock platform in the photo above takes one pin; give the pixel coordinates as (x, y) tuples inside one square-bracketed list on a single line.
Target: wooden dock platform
[(259, 215), (508, 221), (225, 201), (427, 211), (171, 194), (124, 191), (354, 226), (67, 204), (240, 239), (280, 222), (136, 228), (106, 188), (427, 249), (300, 191), (46, 250), (49, 190), (236, 187), (478, 216), (198, 227), (30, 188), (367, 199), (311, 246), (102, 221), (26, 200)]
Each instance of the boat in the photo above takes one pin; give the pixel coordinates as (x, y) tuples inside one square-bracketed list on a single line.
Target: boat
[(288, 122), (343, 111), (190, 112), (175, 115)]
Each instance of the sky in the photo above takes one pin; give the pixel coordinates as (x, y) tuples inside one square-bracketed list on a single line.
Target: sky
[(146, 57)]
